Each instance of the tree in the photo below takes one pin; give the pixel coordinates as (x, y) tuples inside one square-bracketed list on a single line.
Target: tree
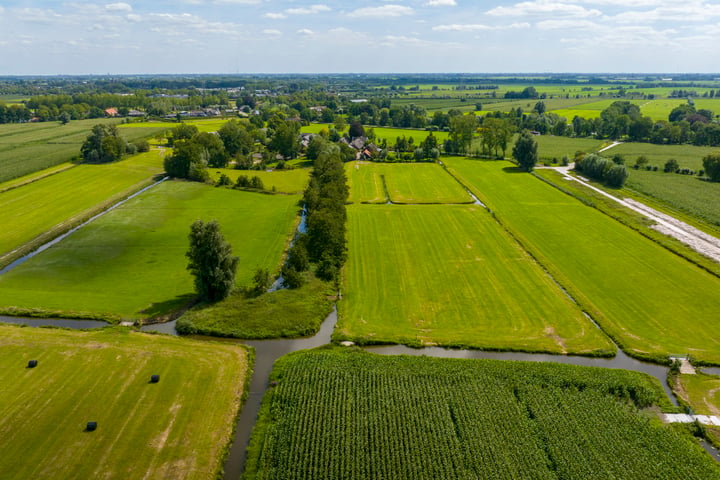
[(525, 151), (262, 280), (616, 176), (182, 132), (462, 128), (211, 261), (235, 138), (671, 166), (711, 164), (216, 156), (103, 145), (356, 130), (188, 160)]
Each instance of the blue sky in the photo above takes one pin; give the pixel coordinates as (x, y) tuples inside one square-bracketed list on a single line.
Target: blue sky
[(299, 36)]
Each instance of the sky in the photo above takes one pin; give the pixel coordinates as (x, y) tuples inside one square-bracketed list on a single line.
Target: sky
[(300, 36)]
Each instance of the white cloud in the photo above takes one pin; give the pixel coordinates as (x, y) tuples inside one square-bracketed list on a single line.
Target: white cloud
[(441, 3), (674, 13), (567, 24), (118, 7), (272, 32), (275, 16), (384, 11), (306, 32), (308, 10), (543, 7), (461, 27)]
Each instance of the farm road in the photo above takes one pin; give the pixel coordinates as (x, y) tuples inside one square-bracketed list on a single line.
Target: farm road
[(699, 241)]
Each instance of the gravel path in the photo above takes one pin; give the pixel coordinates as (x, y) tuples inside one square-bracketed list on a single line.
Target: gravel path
[(699, 241)]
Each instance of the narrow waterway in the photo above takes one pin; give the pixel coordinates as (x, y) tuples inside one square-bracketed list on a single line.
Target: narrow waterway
[(63, 236), (267, 351)]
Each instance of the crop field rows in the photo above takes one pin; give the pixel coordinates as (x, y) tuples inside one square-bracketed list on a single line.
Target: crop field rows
[(353, 415), (176, 428), (29, 148), (131, 262), (649, 300)]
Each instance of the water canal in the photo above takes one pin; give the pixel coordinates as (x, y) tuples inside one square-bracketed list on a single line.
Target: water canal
[(267, 351)]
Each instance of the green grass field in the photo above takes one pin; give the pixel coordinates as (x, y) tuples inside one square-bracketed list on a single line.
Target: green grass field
[(131, 262), (177, 428), (687, 156), (62, 199), (686, 193), (648, 299), (204, 125), (353, 415), (285, 181), (406, 183), (387, 133), (449, 275), (30, 147)]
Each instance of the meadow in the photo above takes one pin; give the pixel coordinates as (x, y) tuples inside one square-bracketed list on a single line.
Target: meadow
[(687, 194), (651, 301), (30, 147), (449, 275), (177, 428), (346, 414), (390, 134), (283, 181), (131, 263), (551, 147), (44, 208), (687, 156), (415, 183)]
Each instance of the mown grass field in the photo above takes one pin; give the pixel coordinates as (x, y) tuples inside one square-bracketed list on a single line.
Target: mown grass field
[(203, 124), (131, 262), (648, 299), (30, 147), (62, 198), (686, 193), (687, 156), (284, 181), (406, 183), (354, 415), (551, 147), (449, 275), (177, 428)]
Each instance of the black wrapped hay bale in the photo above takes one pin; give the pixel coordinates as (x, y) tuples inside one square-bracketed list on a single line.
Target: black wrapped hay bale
[(91, 426), (155, 379), (32, 364)]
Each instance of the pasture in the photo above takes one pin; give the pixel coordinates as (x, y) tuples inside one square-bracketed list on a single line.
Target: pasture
[(131, 262), (55, 202), (649, 300), (284, 181), (390, 134), (684, 193), (687, 156), (203, 124), (177, 428), (449, 275), (414, 183), (30, 147), (347, 414)]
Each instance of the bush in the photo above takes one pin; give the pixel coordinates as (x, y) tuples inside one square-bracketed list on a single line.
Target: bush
[(223, 181), (671, 166)]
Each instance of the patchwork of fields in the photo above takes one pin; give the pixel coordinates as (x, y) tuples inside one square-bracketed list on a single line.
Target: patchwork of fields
[(27, 148), (353, 415), (423, 183), (131, 262), (449, 275), (649, 300), (66, 197), (177, 428)]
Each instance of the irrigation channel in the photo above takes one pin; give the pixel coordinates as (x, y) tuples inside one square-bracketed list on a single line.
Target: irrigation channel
[(267, 351)]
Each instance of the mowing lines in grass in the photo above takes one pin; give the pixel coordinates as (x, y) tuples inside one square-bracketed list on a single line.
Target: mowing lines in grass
[(651, 301), (67, 196), (406, 183), (177, 428), (449, 275), (131, 262), (351, 415)]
